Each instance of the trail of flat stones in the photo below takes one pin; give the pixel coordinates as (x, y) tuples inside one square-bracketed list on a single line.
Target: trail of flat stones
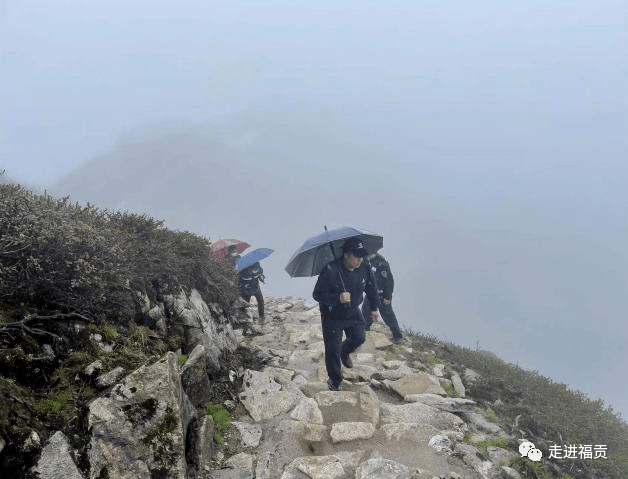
[(392, 419)]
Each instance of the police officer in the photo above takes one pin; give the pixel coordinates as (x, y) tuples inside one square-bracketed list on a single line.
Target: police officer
[(339, 291), (385, 285), (232, 255), (250, 278)]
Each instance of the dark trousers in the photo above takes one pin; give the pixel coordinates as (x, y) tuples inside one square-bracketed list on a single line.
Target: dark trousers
[(336, 349), (260, 302), (387, 313)]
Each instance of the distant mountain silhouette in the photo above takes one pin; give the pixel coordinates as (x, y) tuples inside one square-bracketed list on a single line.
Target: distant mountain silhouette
[(284, 162)]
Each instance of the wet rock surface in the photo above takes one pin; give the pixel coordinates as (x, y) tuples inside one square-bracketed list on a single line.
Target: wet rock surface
[(392, 418)]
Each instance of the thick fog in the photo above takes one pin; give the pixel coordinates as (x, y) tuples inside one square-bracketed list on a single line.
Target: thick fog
[(487, 142)]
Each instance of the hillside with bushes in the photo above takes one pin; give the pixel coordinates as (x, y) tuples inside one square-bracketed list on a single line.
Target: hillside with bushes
[(71, 272)]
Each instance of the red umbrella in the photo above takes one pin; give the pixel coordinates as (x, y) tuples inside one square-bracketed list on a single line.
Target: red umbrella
[(221, 247)]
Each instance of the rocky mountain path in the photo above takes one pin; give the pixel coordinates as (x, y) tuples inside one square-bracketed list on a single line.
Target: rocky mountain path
[(392, 419)]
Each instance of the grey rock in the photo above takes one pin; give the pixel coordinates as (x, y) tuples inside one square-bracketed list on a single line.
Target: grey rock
[(307, 411), (315, 467), (479, 422), (448, 404), (420, 414), (458, 386), (250, 433), (471, 376), (93, 368), (241, 461), (32, 442), (417, 383), (350, 431), (199, 323), (511, 473), (201, 446), (382, 469), (438, 370), (110, 378), (440, 443), (499, 455), (471, 456), (140, 426), (194, 377), (56, 460), (289, 429), (263, 397)]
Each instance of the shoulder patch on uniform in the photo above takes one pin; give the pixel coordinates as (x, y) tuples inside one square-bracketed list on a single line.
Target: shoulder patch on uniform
[(384, 273)]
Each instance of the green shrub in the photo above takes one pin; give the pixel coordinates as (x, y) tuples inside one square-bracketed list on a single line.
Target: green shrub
[(448, 389), (109, 332), (221, 418), (543, 409), (54, 404), (62, 256), (491, 415), (486, 443), (432, 360)]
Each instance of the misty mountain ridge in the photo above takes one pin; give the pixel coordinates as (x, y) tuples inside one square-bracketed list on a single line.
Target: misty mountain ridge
[(220, 166), (75, 242), (502, 256)]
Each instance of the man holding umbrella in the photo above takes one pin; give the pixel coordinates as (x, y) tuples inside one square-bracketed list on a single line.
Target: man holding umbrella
[(339, 291)]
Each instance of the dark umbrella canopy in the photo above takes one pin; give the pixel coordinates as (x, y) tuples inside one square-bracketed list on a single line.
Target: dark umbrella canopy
[(316, 252), (252, 257)]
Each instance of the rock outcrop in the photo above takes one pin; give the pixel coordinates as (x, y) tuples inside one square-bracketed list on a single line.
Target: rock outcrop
[(392, 419)]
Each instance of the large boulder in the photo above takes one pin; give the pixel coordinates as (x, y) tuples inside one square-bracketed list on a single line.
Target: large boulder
[(139, 429), (194, 377), (56, 460), (199, 323)]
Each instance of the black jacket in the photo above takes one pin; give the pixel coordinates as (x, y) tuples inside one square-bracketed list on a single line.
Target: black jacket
[(383, 276), (335, 279), (250, 278)]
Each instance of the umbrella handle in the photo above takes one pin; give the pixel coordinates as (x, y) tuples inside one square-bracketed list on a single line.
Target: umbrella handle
[(344, 289)]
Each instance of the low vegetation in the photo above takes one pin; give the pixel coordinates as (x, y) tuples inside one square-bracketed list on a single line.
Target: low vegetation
[(71, 273), (545, 412), (221, 418)]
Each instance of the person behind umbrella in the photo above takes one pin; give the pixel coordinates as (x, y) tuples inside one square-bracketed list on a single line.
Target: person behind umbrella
[(385, 284), (249, 286), (339, 291), (232, 255)]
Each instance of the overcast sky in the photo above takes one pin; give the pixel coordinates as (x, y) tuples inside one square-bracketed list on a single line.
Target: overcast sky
[(489, 144)]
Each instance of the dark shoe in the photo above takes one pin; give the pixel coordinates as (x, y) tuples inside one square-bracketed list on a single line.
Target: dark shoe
[(331, 387), (347, 362)]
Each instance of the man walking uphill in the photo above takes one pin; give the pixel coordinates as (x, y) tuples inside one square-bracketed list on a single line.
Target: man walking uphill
[(385, 286), (249, 286), (339, 292)]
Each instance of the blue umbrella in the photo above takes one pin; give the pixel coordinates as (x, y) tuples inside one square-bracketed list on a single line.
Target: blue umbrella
[(252, 257), (316, 252)]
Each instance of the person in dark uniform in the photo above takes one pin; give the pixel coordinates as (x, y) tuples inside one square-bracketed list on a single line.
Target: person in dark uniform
[(250, 278), (232, 255), (385, 285), (339, 291)]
